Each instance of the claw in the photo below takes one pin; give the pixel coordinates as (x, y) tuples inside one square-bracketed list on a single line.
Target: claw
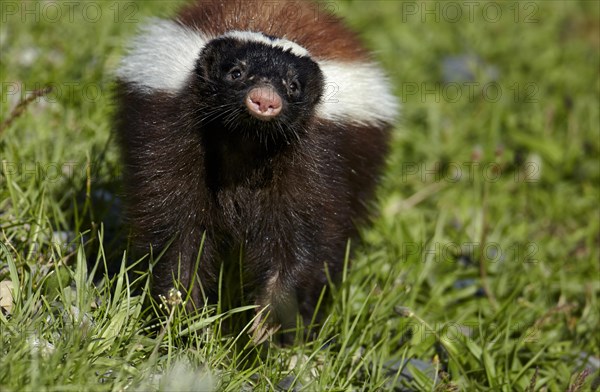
[(261, 329)]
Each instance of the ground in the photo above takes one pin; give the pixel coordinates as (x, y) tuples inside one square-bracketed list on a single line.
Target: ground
[(480, 270)]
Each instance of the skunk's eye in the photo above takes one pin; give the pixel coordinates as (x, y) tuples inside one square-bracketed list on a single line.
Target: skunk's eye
[(293, 87), (235, 73)]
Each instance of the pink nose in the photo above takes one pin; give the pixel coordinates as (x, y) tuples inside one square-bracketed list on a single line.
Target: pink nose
[(263, 103)]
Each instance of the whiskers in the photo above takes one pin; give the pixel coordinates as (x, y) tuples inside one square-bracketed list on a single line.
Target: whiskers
[(232, 117)]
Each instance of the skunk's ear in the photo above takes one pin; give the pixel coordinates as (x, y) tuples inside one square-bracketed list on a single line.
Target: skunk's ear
[(314, 83), (205, 65), (211, 57)]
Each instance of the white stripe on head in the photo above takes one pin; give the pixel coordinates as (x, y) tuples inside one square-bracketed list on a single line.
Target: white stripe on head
[(356, 92), (253, 36), (162, 56)]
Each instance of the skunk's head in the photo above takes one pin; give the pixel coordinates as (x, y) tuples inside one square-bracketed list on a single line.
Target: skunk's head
[(249, 81)]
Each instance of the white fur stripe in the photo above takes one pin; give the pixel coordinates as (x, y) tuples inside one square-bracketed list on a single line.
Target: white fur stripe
[(164, 54), (282, 43), (356, 92)]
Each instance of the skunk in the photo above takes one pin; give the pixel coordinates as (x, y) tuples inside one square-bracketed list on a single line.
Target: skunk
[(252, 136)]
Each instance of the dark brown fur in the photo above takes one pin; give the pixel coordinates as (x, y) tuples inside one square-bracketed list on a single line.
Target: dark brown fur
[(288, 210), (310, 24)]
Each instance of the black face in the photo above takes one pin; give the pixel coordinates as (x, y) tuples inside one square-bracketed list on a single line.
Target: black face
[(229, 73)]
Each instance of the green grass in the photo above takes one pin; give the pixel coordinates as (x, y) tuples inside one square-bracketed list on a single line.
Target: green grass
[(480, 272)]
